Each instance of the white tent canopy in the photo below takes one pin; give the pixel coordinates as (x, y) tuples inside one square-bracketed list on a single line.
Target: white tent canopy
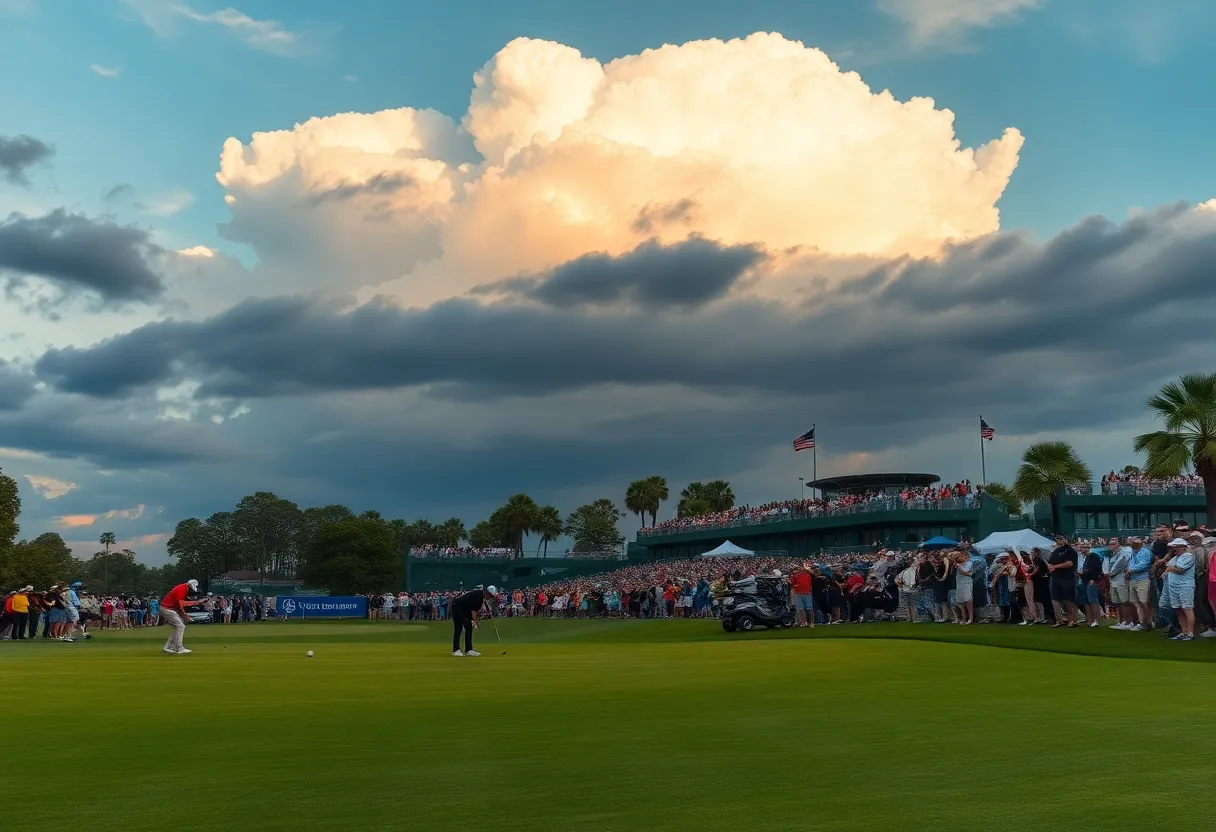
[(1023, 539), (727, 550)]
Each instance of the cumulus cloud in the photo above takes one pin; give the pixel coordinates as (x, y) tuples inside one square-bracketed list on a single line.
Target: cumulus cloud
[(354, 197), (165, 19), (936, 21), (759, 139), (19, 153), (78, 254), (49, 488)]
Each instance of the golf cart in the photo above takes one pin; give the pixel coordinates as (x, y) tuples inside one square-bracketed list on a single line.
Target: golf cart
[(762, 599)]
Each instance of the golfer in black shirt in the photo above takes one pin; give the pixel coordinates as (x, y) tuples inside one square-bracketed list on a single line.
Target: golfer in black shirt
[(464, 617)]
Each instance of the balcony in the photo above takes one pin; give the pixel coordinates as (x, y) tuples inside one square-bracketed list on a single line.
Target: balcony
[(1135, 489), (878, 505)]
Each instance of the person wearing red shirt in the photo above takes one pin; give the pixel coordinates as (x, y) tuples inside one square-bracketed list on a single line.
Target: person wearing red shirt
[(804, 600), (173, 611)]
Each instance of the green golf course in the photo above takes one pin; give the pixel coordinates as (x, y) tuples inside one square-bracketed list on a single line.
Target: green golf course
[(616, 725)]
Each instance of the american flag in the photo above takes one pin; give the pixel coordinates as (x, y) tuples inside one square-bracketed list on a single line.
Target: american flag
[(806, 441), (986, 431)]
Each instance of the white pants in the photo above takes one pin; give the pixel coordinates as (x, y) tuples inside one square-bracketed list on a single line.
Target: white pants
[(174, 619)]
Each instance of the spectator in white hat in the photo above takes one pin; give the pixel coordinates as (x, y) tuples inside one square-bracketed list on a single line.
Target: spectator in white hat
[(1179, 587)]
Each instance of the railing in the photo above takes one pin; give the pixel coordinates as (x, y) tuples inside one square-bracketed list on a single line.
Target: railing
[(868, 507), (607, 554), (1135, 489), (462, 554)]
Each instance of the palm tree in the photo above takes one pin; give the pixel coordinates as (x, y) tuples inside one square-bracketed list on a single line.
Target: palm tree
[(1188, 409), (549, 526), (1046, 468), (517, 518), (452, 531), (694, 507), (637, 499), (107, 539), (1003, 493), (717, 495), (656, 495)]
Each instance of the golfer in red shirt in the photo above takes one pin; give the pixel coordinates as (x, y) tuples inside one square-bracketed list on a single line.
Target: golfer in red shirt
[(173, 611)]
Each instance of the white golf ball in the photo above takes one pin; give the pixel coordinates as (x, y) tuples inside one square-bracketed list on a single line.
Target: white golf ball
[(310, 654)]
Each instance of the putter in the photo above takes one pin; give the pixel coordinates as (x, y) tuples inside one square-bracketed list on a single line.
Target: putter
[(494, 624)]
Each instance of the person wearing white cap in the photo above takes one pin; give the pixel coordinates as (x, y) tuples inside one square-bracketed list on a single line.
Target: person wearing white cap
[(1179, 587), (465, 610), (173, 610)]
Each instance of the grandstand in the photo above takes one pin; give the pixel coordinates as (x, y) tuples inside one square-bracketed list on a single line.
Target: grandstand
[(864, 511)]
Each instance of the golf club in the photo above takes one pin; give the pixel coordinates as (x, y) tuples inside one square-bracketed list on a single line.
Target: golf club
[(494, 624)]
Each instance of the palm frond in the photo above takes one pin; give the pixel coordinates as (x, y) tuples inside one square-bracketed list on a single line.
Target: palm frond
[(1166, 454)]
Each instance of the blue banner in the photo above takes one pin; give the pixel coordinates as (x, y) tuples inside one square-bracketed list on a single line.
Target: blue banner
[(321, 606)]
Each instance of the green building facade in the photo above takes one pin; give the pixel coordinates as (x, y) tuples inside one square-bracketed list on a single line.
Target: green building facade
[(900, 526), (1124, 511), (436, 574)]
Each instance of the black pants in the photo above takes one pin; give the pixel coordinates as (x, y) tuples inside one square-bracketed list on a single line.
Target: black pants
[(462, 620), (33, 623), (19, 619)]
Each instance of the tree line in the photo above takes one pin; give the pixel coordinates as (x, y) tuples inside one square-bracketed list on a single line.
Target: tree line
[(332, 547)]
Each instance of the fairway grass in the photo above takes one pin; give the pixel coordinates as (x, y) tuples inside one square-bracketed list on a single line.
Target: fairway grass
[(616, 725)]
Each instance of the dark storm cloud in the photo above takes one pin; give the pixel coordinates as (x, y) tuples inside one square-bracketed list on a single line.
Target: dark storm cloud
[(108, 437), (686, 274), (382, 184), (19, 153), (16, 386), (79, 254), (1058, 333)]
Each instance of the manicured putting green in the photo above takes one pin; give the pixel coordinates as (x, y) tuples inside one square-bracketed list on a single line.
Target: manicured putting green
[(616, 725)]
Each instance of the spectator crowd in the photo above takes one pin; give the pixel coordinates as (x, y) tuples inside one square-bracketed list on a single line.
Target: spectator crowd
[(930, 497), (1166, 583), (461, 552), (30, 613), (1132, 484)]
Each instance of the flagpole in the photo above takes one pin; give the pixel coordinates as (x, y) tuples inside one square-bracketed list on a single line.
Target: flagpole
[(814, 460), (983, 461)]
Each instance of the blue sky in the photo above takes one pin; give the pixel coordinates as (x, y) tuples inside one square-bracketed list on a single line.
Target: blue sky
[(389, 404)]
